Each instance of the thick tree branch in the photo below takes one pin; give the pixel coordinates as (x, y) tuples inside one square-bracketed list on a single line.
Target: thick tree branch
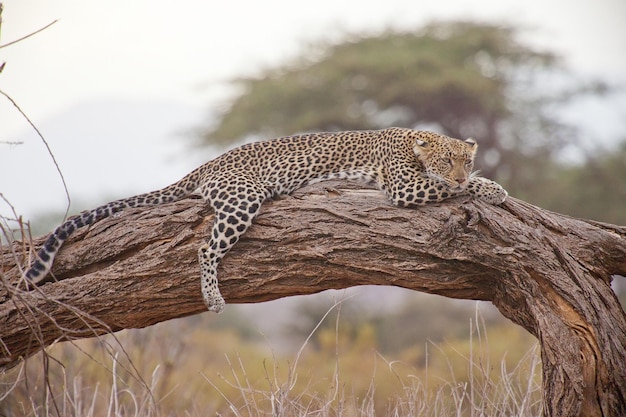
[(547, 272)]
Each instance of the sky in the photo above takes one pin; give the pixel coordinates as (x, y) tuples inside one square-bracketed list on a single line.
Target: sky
[(118, 87)]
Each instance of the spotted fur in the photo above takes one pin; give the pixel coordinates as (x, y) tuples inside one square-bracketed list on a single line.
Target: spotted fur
[(411, 167)]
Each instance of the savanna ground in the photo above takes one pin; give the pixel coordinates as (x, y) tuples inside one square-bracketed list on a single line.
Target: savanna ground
[(349, 364)]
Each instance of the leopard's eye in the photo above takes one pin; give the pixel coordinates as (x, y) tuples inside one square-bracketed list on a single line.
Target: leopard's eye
[(449, 161), (468, 162)]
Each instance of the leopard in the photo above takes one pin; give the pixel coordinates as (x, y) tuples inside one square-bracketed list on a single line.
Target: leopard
[(411, 167)]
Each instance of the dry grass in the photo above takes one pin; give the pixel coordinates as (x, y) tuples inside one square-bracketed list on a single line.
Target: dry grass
[(515, 392), (124, 384), (509, 396)]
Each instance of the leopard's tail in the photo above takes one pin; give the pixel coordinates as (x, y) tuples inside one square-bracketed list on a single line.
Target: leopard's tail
[(40, 268)]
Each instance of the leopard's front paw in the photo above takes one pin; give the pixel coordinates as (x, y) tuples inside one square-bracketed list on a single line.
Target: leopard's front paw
[(495, 197), (486, 190)]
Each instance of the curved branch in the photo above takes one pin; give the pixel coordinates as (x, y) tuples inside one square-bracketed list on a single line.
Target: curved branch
[(547, 272)]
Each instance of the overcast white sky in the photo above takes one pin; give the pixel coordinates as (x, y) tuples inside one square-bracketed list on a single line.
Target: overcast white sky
[(165, 63)]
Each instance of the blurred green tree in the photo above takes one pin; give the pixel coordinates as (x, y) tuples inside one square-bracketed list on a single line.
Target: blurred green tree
[(460, 78), (595, 189), (413, 319)]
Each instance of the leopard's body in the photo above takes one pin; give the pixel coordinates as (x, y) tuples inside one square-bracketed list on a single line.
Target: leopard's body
[(411, 167)]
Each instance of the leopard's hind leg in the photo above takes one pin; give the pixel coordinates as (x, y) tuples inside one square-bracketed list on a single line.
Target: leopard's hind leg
[(233, 216)]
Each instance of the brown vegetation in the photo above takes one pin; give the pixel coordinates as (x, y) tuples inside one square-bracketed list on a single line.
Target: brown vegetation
[(547, 272)]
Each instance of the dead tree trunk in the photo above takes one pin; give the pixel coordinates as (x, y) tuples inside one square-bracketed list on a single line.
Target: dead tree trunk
[(546, 272)]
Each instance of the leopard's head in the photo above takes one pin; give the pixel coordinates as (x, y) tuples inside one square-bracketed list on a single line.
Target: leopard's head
[(446, 159)]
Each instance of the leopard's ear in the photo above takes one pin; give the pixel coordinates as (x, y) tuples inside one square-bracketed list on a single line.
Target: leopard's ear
[(473, 146), (421, 148), (421, 143)]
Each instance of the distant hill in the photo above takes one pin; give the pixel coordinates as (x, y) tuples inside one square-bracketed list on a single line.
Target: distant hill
[(106, 148)]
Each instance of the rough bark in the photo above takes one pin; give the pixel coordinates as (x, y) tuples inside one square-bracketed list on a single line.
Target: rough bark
[(547, 272)]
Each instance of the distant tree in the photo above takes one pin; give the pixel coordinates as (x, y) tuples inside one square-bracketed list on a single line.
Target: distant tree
[(595, 189), (414, 319), (460, 78), (308, 316)]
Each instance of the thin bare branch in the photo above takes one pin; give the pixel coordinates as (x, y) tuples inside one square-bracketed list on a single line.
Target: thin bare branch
[(45, 142), (29, 35)]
